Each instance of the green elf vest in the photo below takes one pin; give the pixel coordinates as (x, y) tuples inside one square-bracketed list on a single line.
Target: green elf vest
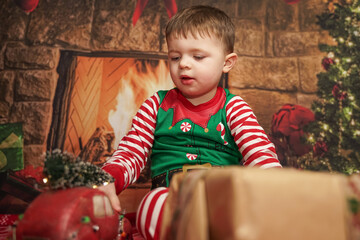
[(188, 134)]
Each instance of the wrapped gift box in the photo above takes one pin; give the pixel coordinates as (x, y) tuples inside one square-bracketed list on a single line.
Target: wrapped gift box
[(254, 204)]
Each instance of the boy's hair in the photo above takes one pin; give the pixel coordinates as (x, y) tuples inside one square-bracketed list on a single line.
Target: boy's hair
[(205, 21)]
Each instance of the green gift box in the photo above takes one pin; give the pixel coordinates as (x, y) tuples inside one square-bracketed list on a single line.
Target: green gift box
[(11, 147)]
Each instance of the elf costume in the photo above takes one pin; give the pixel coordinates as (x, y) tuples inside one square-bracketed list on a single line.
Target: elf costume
[(222, 131)]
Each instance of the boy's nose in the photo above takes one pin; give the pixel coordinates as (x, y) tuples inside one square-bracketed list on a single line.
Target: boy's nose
[(184, 63)]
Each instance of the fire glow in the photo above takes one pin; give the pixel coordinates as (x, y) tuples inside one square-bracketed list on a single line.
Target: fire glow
[(141, 81)]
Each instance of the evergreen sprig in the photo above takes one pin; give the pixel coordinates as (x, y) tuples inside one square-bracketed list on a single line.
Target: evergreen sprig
[(63, 170)]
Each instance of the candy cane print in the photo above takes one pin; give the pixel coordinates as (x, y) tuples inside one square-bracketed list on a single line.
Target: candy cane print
[(220, 127)]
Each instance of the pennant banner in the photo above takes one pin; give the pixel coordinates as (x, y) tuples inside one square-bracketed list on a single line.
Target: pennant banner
[(11, 147)]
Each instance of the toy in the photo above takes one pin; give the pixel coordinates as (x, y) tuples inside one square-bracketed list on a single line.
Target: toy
[(74, 213)]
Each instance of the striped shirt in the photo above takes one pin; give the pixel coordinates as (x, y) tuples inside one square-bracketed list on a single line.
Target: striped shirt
[(131, 156)]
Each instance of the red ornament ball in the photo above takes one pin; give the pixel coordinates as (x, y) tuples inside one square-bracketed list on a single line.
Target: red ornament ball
[(320, 148), (27, 5), (291, 1), (338, 92), (326, 62)]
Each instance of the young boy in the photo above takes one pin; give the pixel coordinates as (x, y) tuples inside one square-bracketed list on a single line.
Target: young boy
[(195, 123)]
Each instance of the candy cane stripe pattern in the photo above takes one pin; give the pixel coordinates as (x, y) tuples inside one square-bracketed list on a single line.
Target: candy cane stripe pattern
[(191, 157), (220, 127), (185, 127)]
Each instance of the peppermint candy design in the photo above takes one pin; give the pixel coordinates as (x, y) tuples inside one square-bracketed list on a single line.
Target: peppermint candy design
[(191, 157), (220, 127), (185, 127)]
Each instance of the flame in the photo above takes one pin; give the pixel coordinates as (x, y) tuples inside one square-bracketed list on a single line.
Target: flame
[(140, 82)]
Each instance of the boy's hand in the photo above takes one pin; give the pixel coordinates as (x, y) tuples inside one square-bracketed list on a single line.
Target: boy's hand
[(110, 192)]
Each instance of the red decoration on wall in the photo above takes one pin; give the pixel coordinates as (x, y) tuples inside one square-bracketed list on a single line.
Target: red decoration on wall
[(287, 126), (171, 9), (27, 5), (291, 1)]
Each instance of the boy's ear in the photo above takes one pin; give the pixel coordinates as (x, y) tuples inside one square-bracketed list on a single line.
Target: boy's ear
[(230, 61)]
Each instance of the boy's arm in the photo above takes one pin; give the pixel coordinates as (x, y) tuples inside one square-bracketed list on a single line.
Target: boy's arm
[(250, 137), (130, 158)]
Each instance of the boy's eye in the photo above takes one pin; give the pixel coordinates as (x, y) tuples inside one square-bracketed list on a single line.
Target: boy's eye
[(198, 57), (174, 58)]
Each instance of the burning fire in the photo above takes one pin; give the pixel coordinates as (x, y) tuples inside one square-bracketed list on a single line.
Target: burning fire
[(141, 81)]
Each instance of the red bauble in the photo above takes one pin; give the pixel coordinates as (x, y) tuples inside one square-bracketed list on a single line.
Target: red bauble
[(27, 5), (320, 148), (338, 92), (326, 62), (291, 1)]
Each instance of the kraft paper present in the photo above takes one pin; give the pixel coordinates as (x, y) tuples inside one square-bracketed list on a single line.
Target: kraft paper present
[(254, 204)]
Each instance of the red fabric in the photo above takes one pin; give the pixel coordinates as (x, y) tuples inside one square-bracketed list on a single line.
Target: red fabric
[(29, 172), (139, 8), (6, 221), (149, 215), (118, 174), (27, 5), (171, 9), (183, 109)]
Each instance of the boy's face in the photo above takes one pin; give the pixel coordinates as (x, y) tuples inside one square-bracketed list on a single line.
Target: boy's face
[(196, 66)]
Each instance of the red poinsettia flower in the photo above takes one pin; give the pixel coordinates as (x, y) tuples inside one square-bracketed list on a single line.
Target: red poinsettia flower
[(288, 122), (338, 93), (326, 62), (320, 148)]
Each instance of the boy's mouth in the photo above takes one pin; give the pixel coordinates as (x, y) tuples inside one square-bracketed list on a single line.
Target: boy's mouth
[(186, 79)]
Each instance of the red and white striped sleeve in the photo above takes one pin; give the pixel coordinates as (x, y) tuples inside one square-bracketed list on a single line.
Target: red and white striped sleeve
[(130, 158), (249, 136)]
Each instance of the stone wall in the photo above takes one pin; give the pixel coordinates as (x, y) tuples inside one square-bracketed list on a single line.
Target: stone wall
[(276, 43)]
